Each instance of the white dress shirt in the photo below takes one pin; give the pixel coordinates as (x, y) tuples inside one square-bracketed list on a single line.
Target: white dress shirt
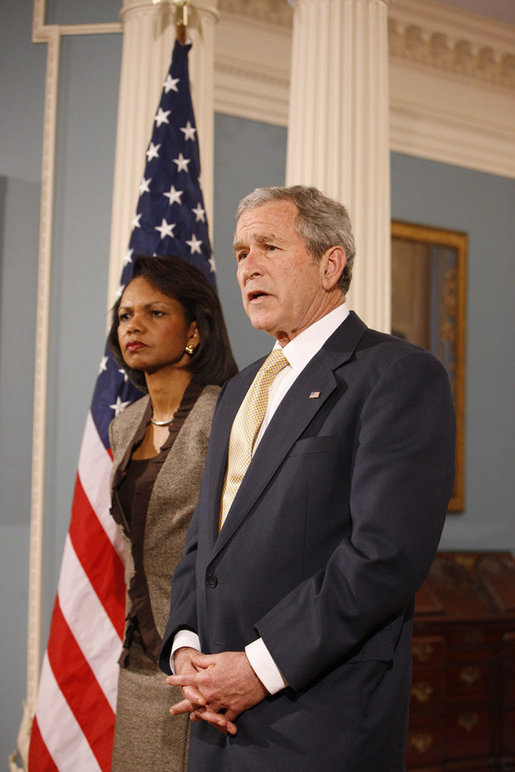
[(299, 353)]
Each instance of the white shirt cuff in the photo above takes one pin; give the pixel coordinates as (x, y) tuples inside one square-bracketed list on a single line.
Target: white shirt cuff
[(183, 638), (264, 666)]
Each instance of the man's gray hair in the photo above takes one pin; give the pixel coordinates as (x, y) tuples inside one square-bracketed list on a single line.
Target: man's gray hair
[(321, 222)]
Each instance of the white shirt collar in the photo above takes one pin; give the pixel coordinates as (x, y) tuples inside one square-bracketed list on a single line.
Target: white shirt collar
[(307, 343)]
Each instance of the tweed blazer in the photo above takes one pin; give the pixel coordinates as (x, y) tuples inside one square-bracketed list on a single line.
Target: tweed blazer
[(173, 499)]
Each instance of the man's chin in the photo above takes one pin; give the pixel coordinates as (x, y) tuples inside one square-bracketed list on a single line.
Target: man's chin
[(259, 321)]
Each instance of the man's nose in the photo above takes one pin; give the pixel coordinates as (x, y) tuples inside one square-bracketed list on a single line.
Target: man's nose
[(251, 266)]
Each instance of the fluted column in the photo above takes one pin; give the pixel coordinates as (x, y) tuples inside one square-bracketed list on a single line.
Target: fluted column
[(148, 39), (338, 137)]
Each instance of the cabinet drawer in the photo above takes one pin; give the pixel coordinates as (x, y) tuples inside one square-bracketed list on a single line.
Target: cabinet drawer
[(477, 640), (468, 733), (427, 688), (425, 743), (470, 680), (428, 650)]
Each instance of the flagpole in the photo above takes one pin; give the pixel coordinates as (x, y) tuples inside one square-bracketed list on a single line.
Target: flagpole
[(181, 20)]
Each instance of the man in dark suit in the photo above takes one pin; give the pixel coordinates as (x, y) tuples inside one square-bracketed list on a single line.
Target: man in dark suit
[(291, 613)]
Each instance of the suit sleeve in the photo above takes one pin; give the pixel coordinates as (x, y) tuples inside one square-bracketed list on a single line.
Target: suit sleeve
[(401, 481)]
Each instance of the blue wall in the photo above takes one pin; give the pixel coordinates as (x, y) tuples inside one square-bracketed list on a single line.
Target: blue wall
[(247, 154), (482, 205), (86, 135), (22, 70), (88, 101)]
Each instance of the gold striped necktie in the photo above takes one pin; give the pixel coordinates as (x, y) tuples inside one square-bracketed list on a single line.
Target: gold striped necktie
[(246, 426)]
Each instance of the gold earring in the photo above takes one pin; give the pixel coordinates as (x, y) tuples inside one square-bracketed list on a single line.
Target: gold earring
[(190, 349)]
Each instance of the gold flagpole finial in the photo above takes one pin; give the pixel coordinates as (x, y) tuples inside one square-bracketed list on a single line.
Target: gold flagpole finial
[(181, 19)]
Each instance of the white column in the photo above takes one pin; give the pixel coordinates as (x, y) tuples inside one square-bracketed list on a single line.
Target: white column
[(338, 137), (148, 39), (203, 17)]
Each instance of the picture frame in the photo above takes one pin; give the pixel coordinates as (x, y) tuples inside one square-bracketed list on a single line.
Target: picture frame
[(429, 278)]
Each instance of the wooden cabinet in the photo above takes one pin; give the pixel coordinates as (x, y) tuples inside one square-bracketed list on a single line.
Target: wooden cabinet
[(463, 690)]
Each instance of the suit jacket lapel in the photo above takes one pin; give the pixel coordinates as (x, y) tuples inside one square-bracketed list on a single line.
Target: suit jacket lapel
[(289, 422)]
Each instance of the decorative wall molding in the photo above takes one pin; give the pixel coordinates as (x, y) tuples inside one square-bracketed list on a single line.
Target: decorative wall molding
[(423, 31), (452, 86), (452, 78), (438, 18), (452, 54), (42, 33), (271, 11)]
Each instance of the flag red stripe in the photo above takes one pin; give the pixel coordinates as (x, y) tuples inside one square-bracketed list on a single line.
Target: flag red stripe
[(80, 689), (102, 564), (39, 757)]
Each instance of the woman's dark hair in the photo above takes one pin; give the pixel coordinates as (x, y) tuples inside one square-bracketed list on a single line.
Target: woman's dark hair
[(212, 362)]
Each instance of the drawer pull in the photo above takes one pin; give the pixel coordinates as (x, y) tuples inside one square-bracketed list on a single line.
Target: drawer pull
[(422, 650), (469, 675), (422, 691), (468, 721), (421, 741)]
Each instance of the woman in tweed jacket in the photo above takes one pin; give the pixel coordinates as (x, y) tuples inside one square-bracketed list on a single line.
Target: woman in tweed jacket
[(169, 335)]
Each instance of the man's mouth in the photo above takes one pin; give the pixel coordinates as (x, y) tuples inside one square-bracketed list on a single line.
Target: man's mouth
[(256, 296)]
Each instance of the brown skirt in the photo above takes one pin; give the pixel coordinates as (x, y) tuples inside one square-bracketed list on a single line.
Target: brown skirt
[(146, 737)]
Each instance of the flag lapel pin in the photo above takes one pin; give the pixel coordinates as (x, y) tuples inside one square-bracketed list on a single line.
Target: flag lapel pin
[(314, 395)]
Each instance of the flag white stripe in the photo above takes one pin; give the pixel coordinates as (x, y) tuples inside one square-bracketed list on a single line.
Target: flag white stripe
[(95, 471), (59, 729), (98, 641)]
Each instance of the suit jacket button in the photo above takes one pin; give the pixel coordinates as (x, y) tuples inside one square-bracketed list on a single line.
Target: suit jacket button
[(212, 581)]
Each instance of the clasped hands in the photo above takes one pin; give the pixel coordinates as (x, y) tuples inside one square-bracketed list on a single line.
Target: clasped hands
[(216, 687)]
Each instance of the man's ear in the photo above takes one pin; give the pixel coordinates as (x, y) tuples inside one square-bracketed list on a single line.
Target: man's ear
[(333, 260)]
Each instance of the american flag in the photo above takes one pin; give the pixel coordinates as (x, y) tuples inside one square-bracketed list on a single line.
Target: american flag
[(75, 713)]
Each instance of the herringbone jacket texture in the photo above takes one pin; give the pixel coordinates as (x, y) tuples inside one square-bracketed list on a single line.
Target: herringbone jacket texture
[(146, 736)]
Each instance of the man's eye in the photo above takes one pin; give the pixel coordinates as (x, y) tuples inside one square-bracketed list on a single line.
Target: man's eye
[(155, 312), (241, 256), (270, 248)]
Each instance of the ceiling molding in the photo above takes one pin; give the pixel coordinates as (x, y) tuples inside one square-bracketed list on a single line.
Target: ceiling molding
[(452, 78), (269, 11), (423, 31), (437, 37)]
